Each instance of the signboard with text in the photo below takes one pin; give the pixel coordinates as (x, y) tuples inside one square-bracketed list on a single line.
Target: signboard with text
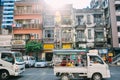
[(48, 46), (5, 40)]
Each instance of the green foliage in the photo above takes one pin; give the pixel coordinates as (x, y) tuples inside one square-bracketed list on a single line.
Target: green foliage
[(33, 46)]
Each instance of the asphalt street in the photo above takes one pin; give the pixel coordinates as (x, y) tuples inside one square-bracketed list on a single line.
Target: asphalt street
[(47, 74)]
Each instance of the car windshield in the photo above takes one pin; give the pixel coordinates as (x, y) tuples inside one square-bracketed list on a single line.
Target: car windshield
[(41, 60), (18, 57)]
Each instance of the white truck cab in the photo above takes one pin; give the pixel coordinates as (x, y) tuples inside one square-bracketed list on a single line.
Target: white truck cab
[(11, 64), (85, 65)]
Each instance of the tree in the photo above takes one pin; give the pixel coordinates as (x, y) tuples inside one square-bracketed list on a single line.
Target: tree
[(34, 47)]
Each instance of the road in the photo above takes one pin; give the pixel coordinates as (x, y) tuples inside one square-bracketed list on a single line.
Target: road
[(47, 74)]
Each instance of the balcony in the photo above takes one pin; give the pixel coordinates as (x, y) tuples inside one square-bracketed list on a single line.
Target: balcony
[(67, 40), (81, 40), (22, 11), (80, 27), (28, 26), (99, 40), (48, 40)]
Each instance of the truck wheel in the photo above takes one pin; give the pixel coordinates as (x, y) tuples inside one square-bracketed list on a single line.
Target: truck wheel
[(4, 75), (65, 77), (96, 76)]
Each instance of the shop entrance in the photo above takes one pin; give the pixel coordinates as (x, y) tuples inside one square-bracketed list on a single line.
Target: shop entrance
[(48, 56)]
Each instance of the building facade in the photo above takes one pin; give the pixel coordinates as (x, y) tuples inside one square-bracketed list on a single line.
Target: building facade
[(58, 29), (7, 17), (5, 40), (90, 28), (111, 10), (28, 21), (1, 12)]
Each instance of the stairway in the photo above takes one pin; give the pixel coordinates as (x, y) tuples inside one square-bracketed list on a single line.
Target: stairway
[(116, 59)]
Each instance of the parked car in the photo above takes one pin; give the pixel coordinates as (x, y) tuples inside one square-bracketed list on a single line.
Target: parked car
[(50, 64), (41, 63), (29, 61)]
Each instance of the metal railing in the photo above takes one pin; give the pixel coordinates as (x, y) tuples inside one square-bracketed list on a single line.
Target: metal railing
[(116, 59)]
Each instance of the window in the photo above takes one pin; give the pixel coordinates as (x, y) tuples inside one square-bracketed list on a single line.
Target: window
[(36, 36), (117, 7), (118, 28), (49, 20), (89, 34), (88, 19), (66, 20), (49, 34), (99, 35), (95, 59), (119, 40), (118, 18), (18, 37), (7, 57), (80, 20), (27, 36), (97, 18), (80, 34)]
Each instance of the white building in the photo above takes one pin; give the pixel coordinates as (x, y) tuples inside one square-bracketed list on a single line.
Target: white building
[(90, 28)]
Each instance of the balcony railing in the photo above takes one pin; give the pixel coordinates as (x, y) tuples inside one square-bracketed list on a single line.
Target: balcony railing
[(67, 40), (27, 11), (100, 40), (28, 26), (48, 40), (81, 39)]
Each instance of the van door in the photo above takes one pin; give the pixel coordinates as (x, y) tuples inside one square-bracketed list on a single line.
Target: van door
[(7, 60), (32, 60), (96, 65)]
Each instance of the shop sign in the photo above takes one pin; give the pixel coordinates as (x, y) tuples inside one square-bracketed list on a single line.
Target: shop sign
[(18, 42), (67, 46), (103, 51), (48, 46), (93, 51), (110, 54), (5, 40)]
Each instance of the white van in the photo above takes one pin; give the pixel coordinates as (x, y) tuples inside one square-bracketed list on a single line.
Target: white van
[(29, 61), (11, 64), (78, 63)]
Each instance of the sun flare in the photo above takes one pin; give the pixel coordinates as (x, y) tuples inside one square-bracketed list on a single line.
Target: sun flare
[(56, 3), (76, 3)]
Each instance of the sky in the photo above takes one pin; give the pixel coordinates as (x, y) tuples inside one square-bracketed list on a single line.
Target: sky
[(79, 4)]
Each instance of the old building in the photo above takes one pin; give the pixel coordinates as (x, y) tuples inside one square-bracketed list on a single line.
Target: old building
[(58, 29), (90, 29), (27, 23), (112, 16)]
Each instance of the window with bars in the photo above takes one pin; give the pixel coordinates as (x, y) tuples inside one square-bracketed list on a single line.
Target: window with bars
[(49, 33), (81, 34), (97, 18), (89, 34), (36, 36), (118, 28), (88, 19), (99, 35), (49, 20), (80, 20)]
